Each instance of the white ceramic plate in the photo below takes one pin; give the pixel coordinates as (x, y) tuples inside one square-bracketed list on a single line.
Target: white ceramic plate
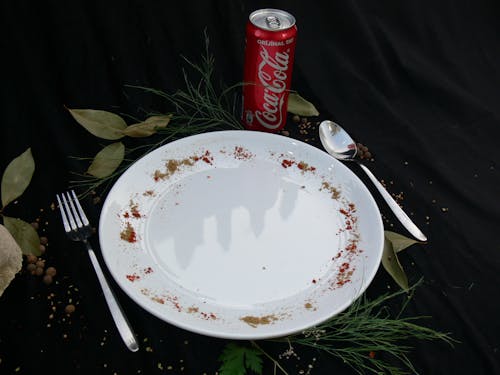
[(241, 234)]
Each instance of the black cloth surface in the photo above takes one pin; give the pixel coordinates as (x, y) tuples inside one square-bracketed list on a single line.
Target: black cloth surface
[(417, 82)]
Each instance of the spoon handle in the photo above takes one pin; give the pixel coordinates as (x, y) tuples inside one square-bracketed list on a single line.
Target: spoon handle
[(398, 211)]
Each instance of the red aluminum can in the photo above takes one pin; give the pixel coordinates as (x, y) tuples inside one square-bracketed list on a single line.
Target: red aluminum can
[(269, 55)]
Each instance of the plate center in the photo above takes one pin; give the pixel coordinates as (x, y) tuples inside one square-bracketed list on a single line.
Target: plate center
[(242, 236)]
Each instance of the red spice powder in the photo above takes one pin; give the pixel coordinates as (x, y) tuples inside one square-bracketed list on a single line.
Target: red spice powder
[(287, 163), (135, 212), (128, 234), (352, 246), (305, 167), (133, 277), (344, 267), (148, 270), (207, 157), (242, 153), (208, 316)]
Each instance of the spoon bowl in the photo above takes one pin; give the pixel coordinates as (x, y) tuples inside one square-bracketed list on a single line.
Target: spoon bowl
[(338, 143)]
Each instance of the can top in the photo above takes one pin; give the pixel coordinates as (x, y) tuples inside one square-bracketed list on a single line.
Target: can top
[(272, 19)]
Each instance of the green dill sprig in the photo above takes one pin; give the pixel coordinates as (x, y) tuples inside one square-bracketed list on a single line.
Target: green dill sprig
[(200, 106), (367, 334)]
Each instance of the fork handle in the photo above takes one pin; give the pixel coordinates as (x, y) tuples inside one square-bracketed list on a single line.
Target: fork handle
[(114, 307)]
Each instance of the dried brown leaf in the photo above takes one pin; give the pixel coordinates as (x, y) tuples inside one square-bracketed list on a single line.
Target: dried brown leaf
[(102, 124), (10, 258), (24, 234), (107, 160), (391, 264), (147, 127), (17, 177), (300, 106), (399, 242)]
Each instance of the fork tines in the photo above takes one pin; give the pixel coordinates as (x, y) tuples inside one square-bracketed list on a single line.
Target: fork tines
[(71, 211)]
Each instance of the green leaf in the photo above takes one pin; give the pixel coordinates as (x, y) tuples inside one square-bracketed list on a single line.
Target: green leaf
[(398, 241), (391, 264), (17, 177), (11, 258), (107, 160), (147, 127), (102, 124), (24, 234), (253, 360), (299, 106), (236, 359)]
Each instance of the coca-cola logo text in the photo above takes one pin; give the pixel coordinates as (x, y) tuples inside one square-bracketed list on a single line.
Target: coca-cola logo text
[(272, 75)]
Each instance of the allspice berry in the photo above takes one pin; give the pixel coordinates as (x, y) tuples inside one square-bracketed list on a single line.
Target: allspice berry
[(31, 268), (40, 263), (69, 309), (31, 258), (39, 271), (47, 279), (51, 271)]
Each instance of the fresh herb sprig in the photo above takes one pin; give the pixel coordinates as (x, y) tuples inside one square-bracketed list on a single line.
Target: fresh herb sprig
[(367, 337), (200, 106)]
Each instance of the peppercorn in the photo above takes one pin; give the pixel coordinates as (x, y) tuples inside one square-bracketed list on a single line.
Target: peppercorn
[(47, 279), (40, 263), (363, 151), (51, 271), (44, 240), (39, 271), (42, 249), (69, 309), (31, 258), (31, 268), (296, 119)]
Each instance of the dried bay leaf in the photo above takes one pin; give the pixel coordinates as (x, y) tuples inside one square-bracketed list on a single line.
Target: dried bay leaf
[(11, 258), (17, 177), (102, 124), (398, 241), (107, 160), (391, 264), (299, 106), (147, 127), (24, 234)]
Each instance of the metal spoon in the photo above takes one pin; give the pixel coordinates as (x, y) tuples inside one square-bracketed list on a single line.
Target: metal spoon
[(341, 146)]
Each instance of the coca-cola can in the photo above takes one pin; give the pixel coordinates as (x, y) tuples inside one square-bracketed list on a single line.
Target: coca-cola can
[(269, 55)]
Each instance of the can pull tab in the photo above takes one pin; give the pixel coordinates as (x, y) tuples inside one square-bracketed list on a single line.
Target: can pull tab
[(273, 22)]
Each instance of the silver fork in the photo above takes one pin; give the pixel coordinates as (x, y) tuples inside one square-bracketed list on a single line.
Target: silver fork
[(78, 228)]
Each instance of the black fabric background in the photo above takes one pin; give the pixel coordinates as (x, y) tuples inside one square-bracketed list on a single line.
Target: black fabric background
[(418, 82)]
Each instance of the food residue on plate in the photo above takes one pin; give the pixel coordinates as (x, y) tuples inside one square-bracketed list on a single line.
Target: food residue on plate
[(255, 321), (242, 153), (128, 234), (335, 192), (173, 301)]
